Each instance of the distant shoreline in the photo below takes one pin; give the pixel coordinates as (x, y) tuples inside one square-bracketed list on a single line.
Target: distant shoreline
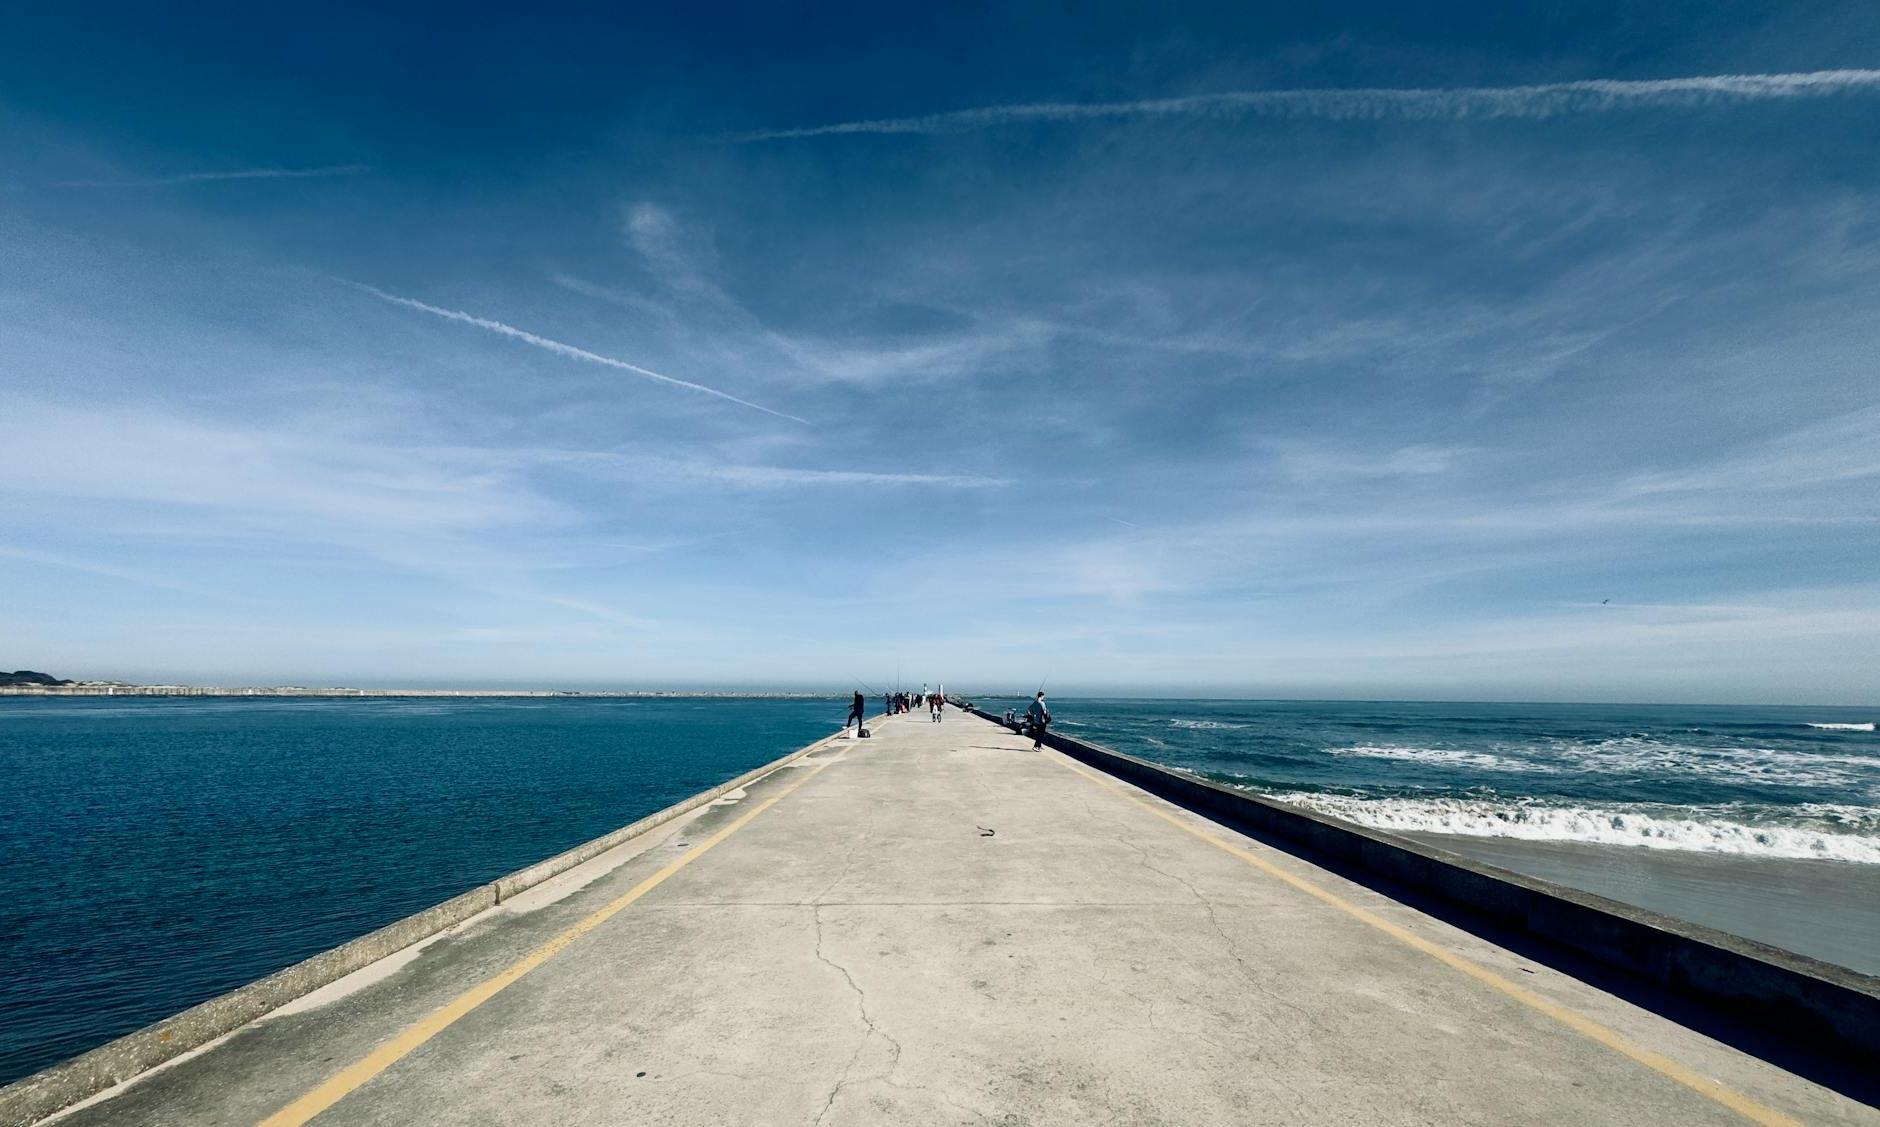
[(97, 690)]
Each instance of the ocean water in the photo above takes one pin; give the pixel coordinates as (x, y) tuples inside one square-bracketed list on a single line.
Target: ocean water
[(156, 852), (1761, 821), (1777, 782)]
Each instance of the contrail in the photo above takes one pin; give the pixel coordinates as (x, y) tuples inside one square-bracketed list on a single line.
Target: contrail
[(234, 174), (568, 350), (1555, 99)]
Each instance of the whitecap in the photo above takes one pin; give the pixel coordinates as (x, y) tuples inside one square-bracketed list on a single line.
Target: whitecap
[(1634, 755), (1813, 831), (1867, 727), (1441, 756)]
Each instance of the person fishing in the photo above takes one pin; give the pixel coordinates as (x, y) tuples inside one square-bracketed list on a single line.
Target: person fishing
[(1039, 717), (855, 713)]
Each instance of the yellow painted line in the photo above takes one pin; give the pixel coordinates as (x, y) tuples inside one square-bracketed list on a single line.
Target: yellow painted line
[(353, 1076), (1579, 1023)]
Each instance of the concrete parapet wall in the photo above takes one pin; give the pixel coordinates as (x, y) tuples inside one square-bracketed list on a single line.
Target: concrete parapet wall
[(45, 1093), (1817, 1003)]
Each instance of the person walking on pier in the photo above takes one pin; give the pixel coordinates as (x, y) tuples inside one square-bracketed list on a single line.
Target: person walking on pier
[(1039, 717), (937, 704), (855, 713)]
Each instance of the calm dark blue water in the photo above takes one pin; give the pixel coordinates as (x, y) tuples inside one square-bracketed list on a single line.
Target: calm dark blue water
[(1788, 782), (155, 852)]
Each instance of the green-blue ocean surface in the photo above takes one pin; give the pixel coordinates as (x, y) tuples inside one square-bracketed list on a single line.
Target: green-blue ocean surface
[(1755, 781), (1757, 820)]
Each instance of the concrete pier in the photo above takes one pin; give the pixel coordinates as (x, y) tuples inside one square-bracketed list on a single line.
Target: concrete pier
[(938, 926)]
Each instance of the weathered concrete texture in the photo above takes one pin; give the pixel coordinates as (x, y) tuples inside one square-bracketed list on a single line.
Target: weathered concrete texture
[(1829, 1006), (942, 927)]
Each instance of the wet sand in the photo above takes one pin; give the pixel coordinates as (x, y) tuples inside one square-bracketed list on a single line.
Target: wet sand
[(1828, 910)]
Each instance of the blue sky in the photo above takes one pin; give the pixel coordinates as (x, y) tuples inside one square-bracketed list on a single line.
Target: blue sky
[(1357, 350)]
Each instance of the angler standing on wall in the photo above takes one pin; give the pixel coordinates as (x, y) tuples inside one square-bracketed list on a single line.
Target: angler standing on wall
[(1039, 717)]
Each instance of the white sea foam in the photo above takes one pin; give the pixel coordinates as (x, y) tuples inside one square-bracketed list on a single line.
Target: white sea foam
[(1204, 725), (1867, 727), (1815, 831), (1442, 756), (1633, 755)]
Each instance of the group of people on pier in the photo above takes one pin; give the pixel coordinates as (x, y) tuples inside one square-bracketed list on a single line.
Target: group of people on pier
[(934, 703), (1036, 719), (896, 703)]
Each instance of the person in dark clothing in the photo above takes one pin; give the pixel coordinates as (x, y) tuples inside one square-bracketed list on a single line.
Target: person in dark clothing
[(855, 713), (1039, 717)]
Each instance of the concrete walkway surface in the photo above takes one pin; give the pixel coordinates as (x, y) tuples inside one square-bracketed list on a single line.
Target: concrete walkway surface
[(939, 926)]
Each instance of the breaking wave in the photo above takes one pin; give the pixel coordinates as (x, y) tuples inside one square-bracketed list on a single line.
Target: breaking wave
[(1205, 725), (1443, 757), (1814, 831), (1867, 727), (1636, 756), (1769, 766)]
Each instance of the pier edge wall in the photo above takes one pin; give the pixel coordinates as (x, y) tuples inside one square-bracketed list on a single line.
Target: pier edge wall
[(1814, 1002), (33, 1098)]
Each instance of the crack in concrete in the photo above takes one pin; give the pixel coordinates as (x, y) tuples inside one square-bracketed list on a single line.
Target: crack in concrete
[(943, 1097), (750, 1077), (979, 776), (870, 1031), (1214, 920), (856, 841)]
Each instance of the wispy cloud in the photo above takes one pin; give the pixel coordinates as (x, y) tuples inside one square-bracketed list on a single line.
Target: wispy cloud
[(295, 477), (464, 515), (569, 350), (111, 571), (1832, 451), (1547, 100), (646, 468), (1323, 462), (707, 321), (230, 174), (787, 475)]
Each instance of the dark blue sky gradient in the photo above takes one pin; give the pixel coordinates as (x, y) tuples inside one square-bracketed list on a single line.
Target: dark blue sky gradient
[(1281, 403)]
